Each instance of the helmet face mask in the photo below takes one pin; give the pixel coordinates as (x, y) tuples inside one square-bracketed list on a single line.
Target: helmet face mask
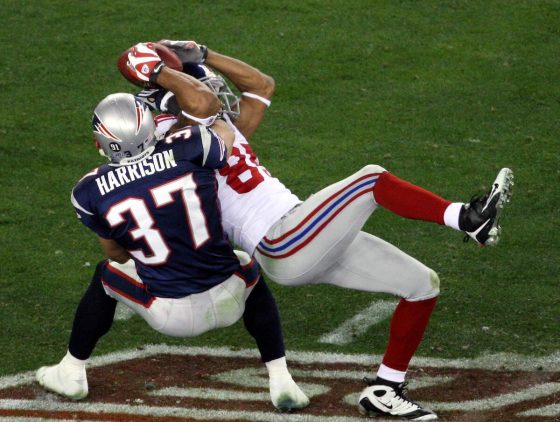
[(124, 128), (218, 85)]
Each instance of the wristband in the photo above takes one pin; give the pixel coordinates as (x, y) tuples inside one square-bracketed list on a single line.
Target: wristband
[(263, 100), (204, 121), (155, 73)]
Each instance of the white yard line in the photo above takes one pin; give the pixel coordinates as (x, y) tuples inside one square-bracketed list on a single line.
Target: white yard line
[(256, 377), (359, 324), (499, 361), (162, 411), (550, 411), (501, 400)]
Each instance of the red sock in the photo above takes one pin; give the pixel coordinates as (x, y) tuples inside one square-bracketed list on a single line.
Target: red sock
[(407, 329), (408, 200)]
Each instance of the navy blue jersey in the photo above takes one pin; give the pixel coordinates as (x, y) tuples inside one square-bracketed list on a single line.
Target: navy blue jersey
[(164, 210)]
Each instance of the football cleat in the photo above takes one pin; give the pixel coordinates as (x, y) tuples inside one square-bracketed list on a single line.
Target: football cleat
[(385, 398), (286, 395), (479, 219), (64, 379)]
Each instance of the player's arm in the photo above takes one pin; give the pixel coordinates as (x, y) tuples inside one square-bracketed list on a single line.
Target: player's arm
[(114, 251), (197, 102), (193, 97), (256, 88)]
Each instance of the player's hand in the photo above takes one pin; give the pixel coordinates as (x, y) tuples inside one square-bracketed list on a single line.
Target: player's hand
[(188, 51), (144, 64)]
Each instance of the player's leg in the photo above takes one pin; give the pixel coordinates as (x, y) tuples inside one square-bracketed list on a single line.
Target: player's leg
[(220, 306), (371, 264), (479, 219), (93, 319), (262, 321), (386, 393), (310, 237), (307, 240)]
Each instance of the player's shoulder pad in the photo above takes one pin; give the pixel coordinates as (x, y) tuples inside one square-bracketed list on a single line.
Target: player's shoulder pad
[(95, 172), (81, 192)]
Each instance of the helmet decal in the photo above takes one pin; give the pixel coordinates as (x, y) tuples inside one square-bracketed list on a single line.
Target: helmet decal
[(140, 108), (99, 127)]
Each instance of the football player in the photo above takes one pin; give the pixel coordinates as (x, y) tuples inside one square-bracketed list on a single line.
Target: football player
[(319, 240), (154, 208)]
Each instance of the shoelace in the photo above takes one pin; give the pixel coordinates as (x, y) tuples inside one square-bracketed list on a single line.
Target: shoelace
[(401, 390)]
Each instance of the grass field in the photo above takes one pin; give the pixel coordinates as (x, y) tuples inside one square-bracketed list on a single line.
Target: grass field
[(442, 93)]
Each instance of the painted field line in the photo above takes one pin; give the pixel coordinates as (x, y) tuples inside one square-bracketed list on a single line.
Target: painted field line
[(32, 419), (211, 393), (356, 326), (251, 379), (502, 400), (257, 377), (550, 411), (169, 411), (499, 361)]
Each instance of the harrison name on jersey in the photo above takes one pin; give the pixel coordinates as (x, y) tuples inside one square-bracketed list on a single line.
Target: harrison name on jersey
[(128, 173)]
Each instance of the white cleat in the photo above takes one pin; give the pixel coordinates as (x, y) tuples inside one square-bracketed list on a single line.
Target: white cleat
[(64, 379), (481, 217), (286, 395), (391, 401)]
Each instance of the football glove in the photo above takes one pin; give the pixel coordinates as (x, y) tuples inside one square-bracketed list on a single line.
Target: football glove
[(144, 64), (188, 51)]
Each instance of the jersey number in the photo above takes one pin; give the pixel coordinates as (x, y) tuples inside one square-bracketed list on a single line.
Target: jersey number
[(245, 174), (145, 224)]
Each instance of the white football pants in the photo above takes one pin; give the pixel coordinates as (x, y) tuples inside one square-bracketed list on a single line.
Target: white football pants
[(190, 316), (320, 241)]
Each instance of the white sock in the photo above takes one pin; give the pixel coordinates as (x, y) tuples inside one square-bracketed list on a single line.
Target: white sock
[(451, 215), (72, 362), (390, 374), (277, 368)]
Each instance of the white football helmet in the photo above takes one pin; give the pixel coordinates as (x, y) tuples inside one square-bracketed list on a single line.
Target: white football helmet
[(124, 129)]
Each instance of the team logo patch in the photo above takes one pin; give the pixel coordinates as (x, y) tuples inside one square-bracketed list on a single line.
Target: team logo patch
[(165, 383)]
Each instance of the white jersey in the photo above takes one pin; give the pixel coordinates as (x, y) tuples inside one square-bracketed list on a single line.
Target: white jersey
[(252, 201)]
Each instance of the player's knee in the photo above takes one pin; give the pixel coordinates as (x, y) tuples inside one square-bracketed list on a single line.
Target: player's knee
[(372, 168), (434, 282), (428, 289)]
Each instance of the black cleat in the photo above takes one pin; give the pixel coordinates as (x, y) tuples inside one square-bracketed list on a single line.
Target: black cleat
[(385, 398), (480, 218)]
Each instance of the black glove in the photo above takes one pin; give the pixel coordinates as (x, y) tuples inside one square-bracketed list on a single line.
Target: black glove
[(187, 51)]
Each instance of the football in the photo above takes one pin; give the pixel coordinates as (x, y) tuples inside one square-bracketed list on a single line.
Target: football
[(167, 55)]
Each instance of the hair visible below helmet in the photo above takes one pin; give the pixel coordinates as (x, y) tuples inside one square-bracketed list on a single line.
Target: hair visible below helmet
[(218, 85), (124, 128)]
